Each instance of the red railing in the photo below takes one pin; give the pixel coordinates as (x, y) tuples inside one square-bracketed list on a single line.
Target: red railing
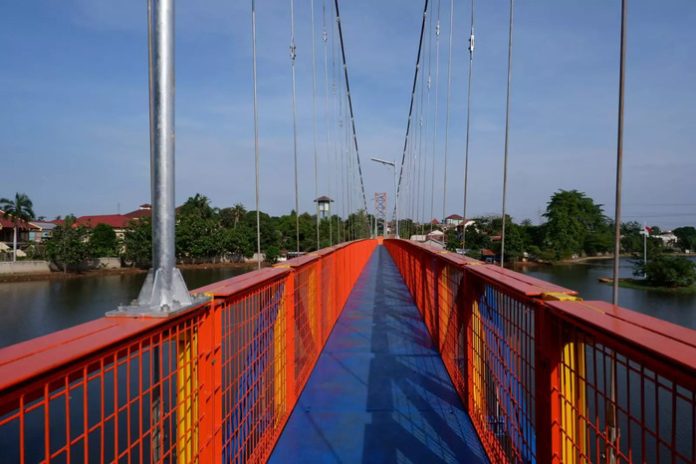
[(215, 383), (547, 377)]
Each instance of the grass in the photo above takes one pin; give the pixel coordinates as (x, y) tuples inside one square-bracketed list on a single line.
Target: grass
[(640, 284)]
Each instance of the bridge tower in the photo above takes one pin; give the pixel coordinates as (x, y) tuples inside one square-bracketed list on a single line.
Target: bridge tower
[(381, 211)]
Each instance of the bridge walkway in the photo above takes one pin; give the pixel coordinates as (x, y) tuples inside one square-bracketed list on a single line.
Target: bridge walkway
[(379, 391)]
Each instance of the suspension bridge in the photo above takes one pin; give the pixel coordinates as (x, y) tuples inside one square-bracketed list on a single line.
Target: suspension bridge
[(375, 349)]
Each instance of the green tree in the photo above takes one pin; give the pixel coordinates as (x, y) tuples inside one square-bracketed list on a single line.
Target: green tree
[(137, 242), (453, 240), (686, 237), (237, 243), (575, 225), (231, 217), (514, 238), (668, 271), (18, 210), (68, 247), (198, 230), (103, 241), (477, 237)]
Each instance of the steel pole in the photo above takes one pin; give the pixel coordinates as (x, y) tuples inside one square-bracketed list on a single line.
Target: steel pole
[(162, 135), (396, 201)]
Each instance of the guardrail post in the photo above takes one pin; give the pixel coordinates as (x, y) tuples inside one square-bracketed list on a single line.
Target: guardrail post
[(547, 400), (289, 310), (210, 383)]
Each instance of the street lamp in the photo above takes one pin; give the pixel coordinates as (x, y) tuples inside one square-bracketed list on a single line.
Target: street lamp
[(396, 191)]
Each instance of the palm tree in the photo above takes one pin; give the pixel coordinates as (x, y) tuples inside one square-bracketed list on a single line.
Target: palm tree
[(238, 212), (17, 210)]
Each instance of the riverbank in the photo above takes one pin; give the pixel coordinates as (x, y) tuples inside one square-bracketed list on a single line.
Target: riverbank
[(5, 278), (640, 284)]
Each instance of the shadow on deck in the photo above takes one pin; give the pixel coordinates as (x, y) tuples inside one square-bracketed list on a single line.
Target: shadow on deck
[(379, 391)]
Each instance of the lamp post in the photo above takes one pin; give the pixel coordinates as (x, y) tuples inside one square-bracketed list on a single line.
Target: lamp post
[(396, 192)]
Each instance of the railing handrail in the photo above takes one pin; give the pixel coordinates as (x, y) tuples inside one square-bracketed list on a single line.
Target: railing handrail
[(669, 341), (37, 357)]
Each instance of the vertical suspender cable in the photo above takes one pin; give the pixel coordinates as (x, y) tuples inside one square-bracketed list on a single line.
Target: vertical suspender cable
[(612, 420), (325, 39), (468, 124), (437, 107), (619, 157), (447, 108), (428, 84), (314, 115), (507, 133), (256, 133), (420, 194), (293, 55)]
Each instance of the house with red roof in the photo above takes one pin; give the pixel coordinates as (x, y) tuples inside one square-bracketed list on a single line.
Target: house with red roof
[(7, 226)]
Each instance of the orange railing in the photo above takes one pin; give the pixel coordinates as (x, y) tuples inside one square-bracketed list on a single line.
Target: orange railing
[(215, 383), (547, 377)]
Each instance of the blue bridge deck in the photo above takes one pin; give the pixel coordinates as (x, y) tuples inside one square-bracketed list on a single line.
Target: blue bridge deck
[(379, 392)]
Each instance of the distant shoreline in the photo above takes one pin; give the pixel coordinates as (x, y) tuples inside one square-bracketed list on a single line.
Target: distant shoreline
[(639, 284), (58, 275)]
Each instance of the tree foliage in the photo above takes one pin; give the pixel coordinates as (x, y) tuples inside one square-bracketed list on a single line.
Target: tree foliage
[(68, 248), (686, 237), (103, 241), (575, 225), (137, 242), (668, 271), (17, 210)]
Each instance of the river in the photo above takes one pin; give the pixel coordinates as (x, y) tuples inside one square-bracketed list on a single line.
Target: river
[(677, 308), (31, 309)]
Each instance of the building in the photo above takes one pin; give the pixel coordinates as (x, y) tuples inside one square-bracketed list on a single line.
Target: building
[(454, 220), (42, 231), (668, 238), (144, 210), (118, 222), (7, 226), (436, 235)]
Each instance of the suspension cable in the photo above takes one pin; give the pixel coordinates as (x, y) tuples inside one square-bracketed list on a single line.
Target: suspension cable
[(507, 133), (447, 108), (350, 101), (437, 101), (413, 97), (256, 133), (293, 56), (468, 124), (314, 115)]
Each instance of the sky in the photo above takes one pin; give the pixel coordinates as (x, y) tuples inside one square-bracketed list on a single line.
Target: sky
[(74, 103)]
